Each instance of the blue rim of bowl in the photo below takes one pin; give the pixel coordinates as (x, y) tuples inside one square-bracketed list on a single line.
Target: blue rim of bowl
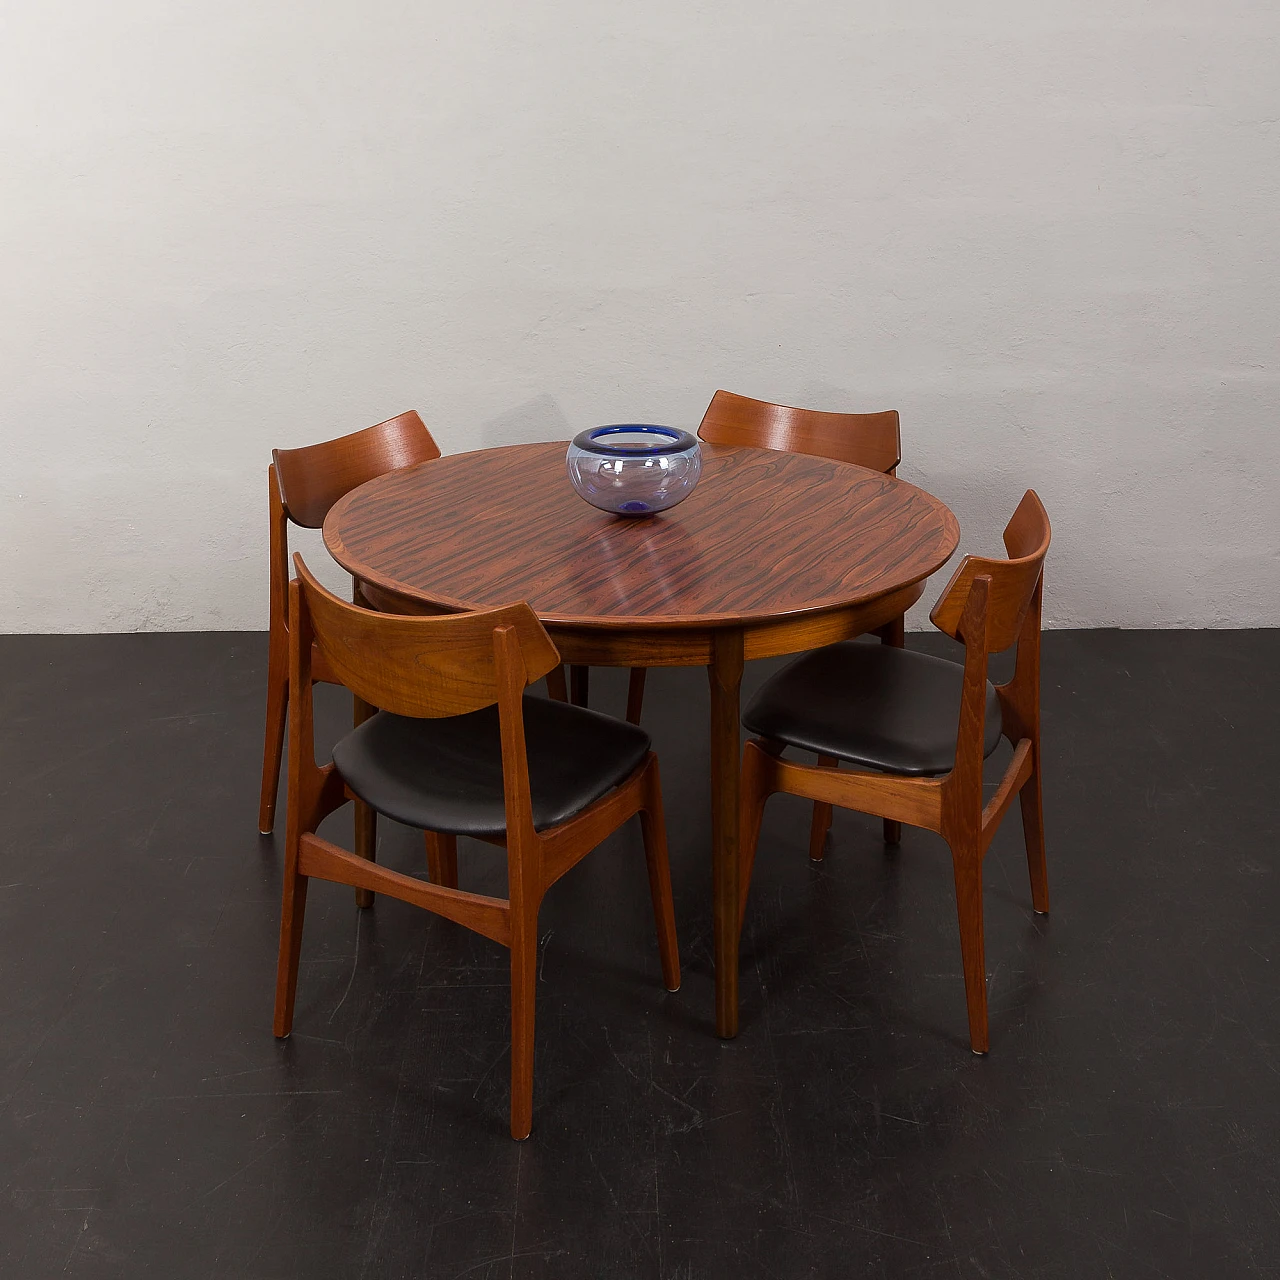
[(666, 440)]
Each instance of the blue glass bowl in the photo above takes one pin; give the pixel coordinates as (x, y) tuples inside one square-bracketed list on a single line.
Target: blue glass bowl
[(634, 469)]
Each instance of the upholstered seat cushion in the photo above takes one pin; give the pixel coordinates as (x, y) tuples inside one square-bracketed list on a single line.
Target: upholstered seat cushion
[(872, 705), (446, 775)]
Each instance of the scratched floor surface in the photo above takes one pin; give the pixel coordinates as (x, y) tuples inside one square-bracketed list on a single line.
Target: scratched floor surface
[(1125, 1123)]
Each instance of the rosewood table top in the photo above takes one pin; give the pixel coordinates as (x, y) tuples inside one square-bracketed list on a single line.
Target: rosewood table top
[(765, 535)]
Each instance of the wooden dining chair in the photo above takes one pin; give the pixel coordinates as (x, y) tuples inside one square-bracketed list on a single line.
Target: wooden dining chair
[(918, 728), (302, 485), (458, 749)]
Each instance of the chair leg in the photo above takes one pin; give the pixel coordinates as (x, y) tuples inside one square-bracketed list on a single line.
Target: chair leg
[(753, 797), (524, 979), (556, 686), (292, 908), (365, 818), (635, 694), (442, 858), (366, 842), (895, 634), (1033, 833), (821, 818), (967, 866), (579, 681), (273, 747), (653, 828)]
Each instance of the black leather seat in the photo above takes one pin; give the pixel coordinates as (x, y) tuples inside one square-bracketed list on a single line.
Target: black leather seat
[(446, 775), (872, 705)]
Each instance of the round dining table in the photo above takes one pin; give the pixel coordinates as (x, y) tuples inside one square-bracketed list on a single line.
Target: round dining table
[(772, 553)]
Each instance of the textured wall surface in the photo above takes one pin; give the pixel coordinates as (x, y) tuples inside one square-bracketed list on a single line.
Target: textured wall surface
[(1046, 233)]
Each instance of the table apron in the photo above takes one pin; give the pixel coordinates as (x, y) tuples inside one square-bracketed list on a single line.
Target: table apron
[(691, 647)]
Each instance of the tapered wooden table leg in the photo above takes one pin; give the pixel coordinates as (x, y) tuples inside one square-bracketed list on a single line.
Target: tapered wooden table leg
[(556, 687), (635, 694), (726, 777)]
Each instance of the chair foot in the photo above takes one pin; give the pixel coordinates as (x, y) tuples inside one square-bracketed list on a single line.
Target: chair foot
[(967, 869), (821, 825), (292, 912), (1033, 836), (273, 746), (524, 973)]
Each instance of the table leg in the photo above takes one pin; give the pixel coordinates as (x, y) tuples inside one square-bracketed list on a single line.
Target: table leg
[(556, 687), (725, 672)]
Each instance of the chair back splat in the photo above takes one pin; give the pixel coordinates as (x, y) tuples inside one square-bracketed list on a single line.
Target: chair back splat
[(313, 478), (427, 667), (866, 439), (1013, 582)]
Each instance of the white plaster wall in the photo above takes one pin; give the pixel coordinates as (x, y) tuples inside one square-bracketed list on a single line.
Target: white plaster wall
[(1047, 233)]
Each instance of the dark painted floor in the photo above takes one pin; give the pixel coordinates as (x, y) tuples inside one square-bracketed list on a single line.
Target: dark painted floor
[(1125, 1124)]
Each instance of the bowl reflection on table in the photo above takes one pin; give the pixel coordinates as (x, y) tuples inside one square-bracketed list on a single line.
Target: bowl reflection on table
[(634, 469)]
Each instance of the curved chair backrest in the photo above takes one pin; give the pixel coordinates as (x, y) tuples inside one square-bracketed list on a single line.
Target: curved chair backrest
[(427, 667), (313, 478), (1013, 581), (870, 440)]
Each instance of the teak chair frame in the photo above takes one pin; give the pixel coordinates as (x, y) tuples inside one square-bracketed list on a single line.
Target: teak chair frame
[(988, 605), (433, 667), (302, 484)]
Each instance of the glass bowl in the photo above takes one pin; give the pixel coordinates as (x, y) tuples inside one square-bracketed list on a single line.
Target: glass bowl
[(634, 468)]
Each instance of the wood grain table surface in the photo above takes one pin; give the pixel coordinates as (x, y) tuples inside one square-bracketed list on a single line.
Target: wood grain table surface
[(772, 553)]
